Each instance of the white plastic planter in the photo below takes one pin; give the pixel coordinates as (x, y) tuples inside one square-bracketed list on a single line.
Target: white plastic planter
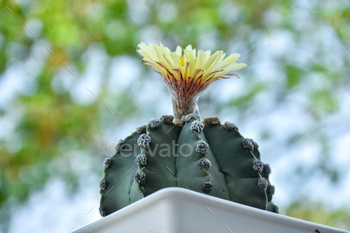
[(179, 210)]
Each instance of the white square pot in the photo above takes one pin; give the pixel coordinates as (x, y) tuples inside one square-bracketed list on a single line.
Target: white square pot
[(179, 210)]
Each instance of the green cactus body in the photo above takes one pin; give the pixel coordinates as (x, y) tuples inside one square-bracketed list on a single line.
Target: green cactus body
[(212, 159), (183, 151)]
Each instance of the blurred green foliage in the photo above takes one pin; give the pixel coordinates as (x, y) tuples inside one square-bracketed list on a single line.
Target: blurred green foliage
[(47, 120), (318, 213)]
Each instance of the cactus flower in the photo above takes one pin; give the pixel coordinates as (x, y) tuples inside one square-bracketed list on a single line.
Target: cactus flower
[(188, 73)]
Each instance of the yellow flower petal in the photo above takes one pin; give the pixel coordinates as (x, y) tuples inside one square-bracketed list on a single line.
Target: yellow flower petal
[(179, 51), (192, 64), (201, 58)]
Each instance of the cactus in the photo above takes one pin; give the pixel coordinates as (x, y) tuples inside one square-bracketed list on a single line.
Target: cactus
[(184, 151)]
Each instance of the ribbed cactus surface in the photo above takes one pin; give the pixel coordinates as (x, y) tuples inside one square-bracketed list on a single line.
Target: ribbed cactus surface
[(204, 156)]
